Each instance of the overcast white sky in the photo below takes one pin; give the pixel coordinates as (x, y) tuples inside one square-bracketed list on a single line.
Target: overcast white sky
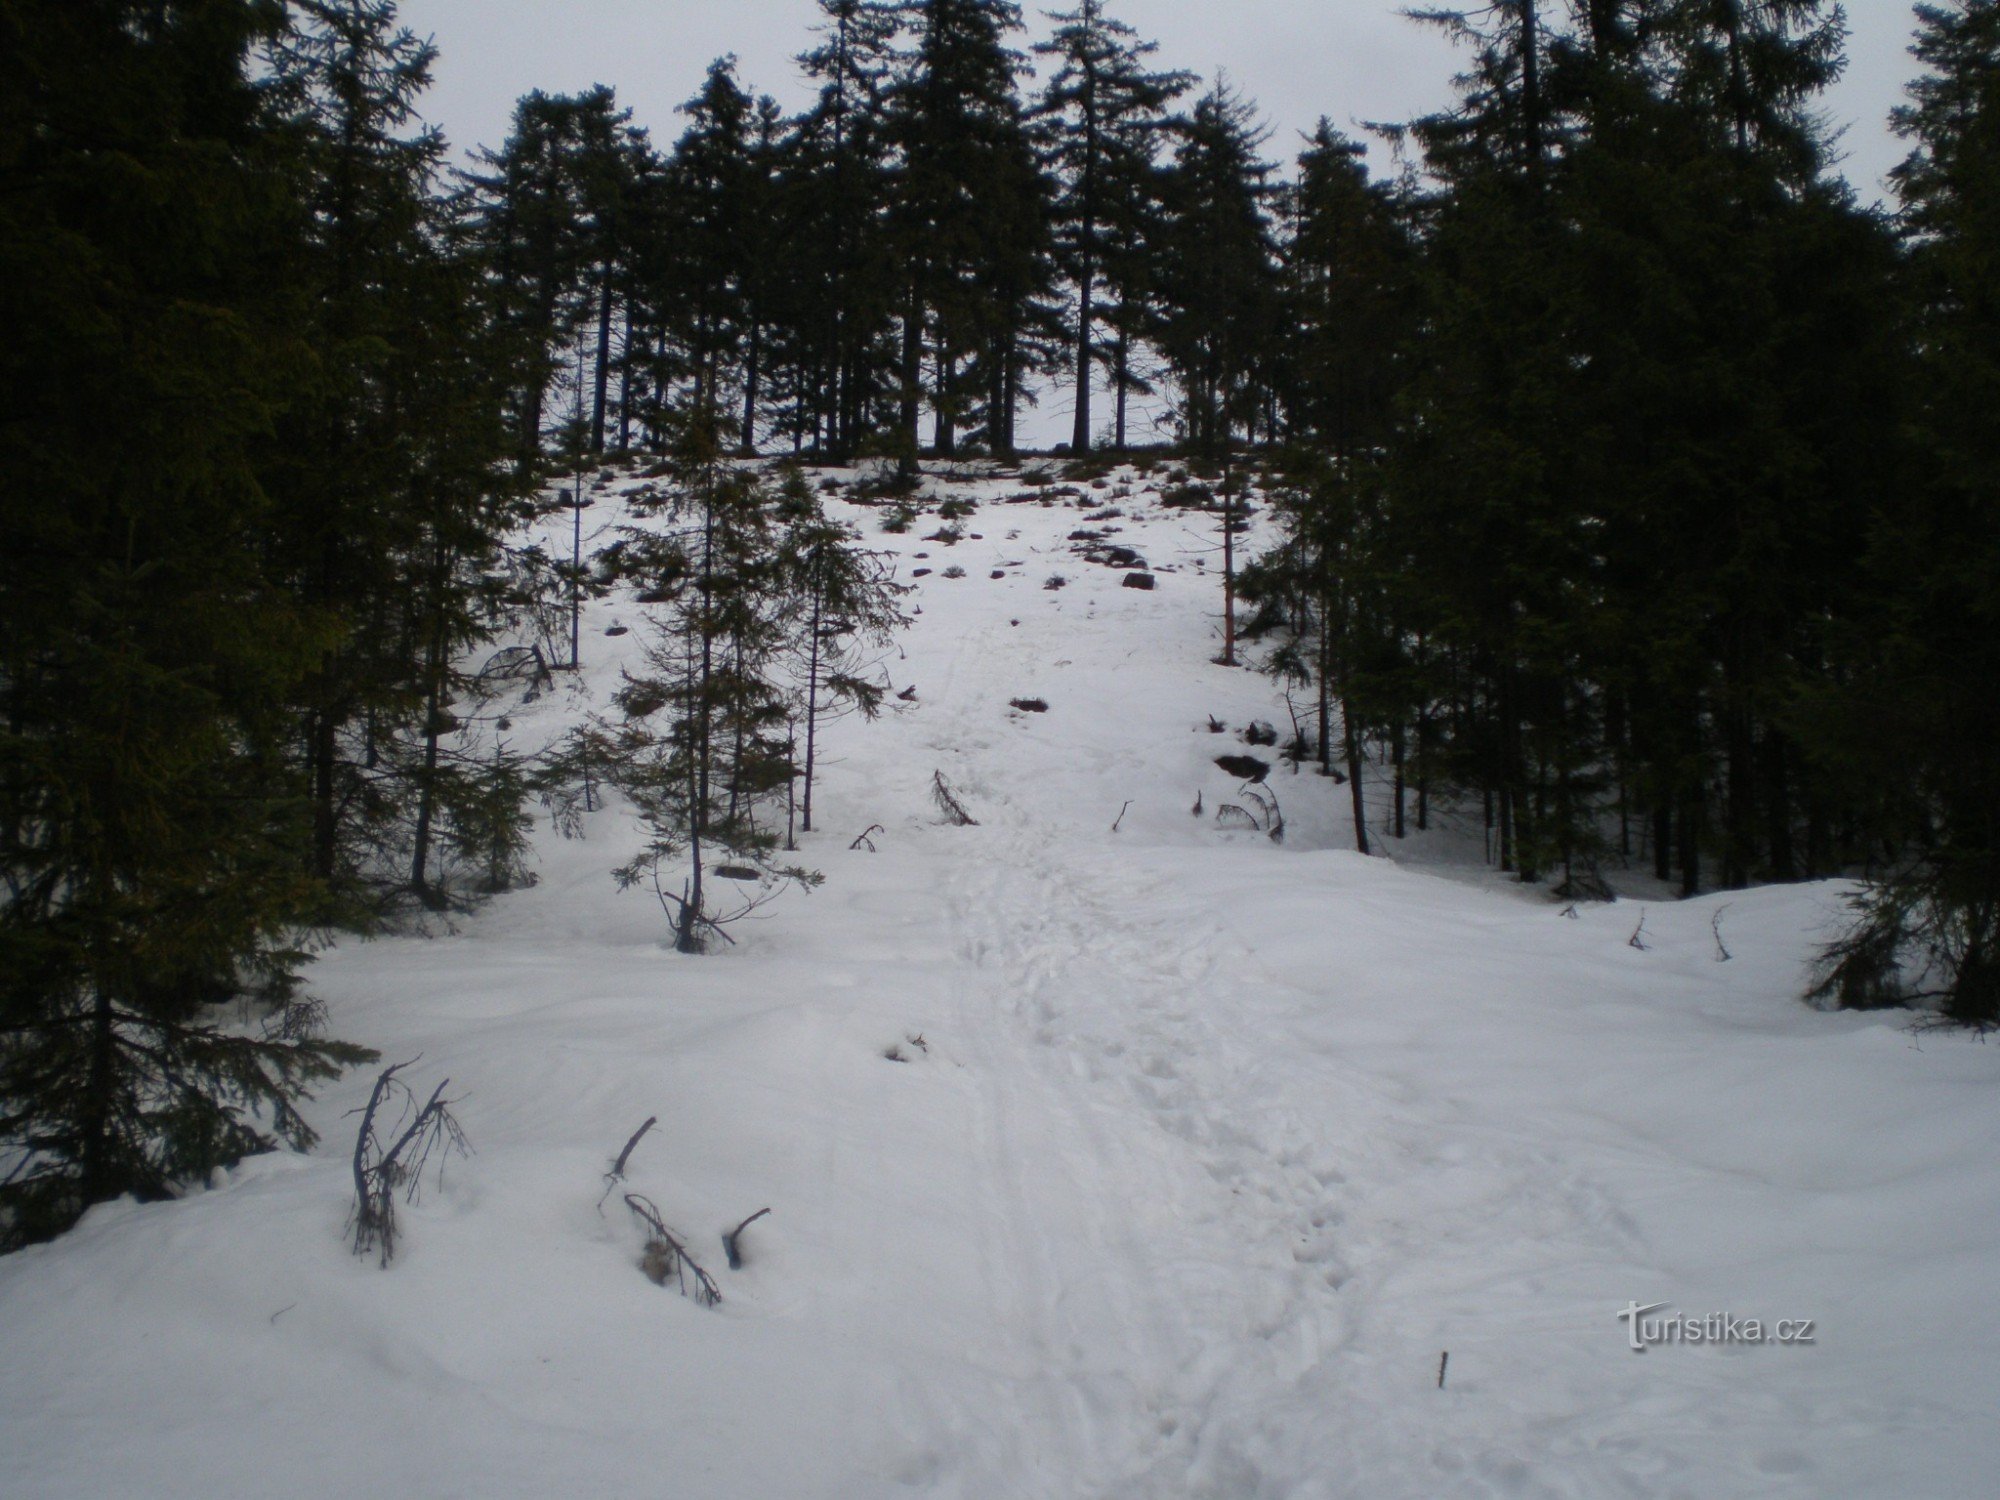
[(1351, 60)]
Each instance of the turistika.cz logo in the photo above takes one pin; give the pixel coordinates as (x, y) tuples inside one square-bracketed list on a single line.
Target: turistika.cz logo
[(1643, 1332)]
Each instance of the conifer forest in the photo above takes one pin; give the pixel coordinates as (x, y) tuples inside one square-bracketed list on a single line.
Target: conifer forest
[(1596, 480)]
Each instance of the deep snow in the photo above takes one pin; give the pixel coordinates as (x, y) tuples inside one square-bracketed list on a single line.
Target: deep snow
[(1201, 1152)]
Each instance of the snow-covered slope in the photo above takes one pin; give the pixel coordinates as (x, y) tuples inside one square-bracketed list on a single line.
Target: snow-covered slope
[(1200, 1152)]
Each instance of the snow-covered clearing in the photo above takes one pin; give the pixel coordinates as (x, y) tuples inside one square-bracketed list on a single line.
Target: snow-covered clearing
[(1200, 1152)]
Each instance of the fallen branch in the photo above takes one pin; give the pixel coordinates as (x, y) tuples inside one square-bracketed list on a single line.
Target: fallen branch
[(380, 1170), (864, 839), (1266, 802), (953, 810), (1121, 815), (1637, 940), (617, 1173), (667, 1255), (618, 1166), (732, 1238), (1722, 953)]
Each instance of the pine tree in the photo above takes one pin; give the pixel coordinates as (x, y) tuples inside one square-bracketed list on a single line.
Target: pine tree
[(969, 219), (1485, 470), (528, 212), (607, 161), (843, 597), (844, 294), (1656, 382), (394, 502), (1217, 270), (148, 832), (1920, 717), (703, 750), (1348, 263), (1101, 114), (714, 188)]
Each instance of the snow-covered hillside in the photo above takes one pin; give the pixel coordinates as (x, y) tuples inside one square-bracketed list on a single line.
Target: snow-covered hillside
[(1194, 1155)]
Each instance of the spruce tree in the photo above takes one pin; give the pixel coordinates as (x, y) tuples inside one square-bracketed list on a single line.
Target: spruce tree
[(703, 749), (843, 600), (528, 211), (149, 837), (1348, 264), (1101, 115), (712, 240), (394, 502), (1920, 715), (843, 272), (1217, 269), (968, 214)]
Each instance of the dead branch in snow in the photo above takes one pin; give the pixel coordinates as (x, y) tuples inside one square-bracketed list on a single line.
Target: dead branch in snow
[(666, 1254), (380, 1169), (732, 1240), (948, 803)]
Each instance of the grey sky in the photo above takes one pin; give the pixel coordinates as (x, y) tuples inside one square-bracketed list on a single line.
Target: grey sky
[(1351, 60)]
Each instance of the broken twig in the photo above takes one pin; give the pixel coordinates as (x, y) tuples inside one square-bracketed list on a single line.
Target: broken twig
[(667, 1255), (948, 803), (731, 1240)]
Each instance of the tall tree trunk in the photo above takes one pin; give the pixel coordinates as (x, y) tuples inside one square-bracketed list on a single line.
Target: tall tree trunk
[(750, 381), (912, 392), (812, 708), (326, 832), (1690, 843), (97, 1169), (625, 384), (1326, 685), (427, 781), (1079, 440), (947, 402), (602, 375), (1352, 741), (1010, 394), (1124, 383), (1228, 570), (1396, 751)]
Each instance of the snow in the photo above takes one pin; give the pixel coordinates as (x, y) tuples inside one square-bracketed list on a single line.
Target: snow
[(1201, 1151)]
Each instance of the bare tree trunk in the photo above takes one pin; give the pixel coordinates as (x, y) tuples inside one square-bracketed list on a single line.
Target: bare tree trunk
[(1124, 381), (1228, 570), (325, 822), (812, 711), (1396, 751), (750, 384), (603, 373), (947, 402), (625, 384), (912, 393), (1352, 742), (1086, 314)]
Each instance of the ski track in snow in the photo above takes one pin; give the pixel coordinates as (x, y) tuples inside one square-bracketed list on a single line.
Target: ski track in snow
[(1210, 1149)]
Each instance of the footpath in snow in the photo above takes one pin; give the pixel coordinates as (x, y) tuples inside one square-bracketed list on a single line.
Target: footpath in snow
[(1164, 1162)]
